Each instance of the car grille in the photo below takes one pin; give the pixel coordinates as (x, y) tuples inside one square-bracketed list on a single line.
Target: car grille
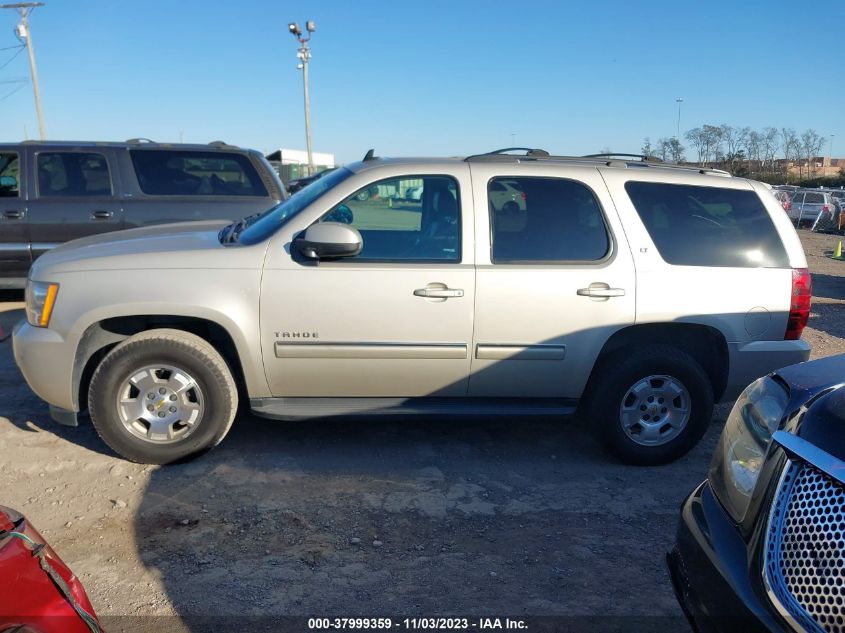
[(805, 549)]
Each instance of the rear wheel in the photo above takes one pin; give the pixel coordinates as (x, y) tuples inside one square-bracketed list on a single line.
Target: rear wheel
[(162, 396), (650, 405)]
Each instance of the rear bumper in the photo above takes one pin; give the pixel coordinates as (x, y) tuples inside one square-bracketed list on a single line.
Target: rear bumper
[(717, 586), (750, 361)]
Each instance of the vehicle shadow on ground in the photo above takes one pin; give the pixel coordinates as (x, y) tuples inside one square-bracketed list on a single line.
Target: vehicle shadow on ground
[(828, 318), (829, 286), (412, 517)]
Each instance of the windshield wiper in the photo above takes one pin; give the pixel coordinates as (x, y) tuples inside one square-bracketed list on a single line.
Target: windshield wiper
[(229, 233)]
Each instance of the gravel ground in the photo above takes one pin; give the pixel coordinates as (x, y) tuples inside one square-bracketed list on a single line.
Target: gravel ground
[(380, 518)]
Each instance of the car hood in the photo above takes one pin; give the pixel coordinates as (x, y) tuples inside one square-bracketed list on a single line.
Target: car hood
[(181, 245)]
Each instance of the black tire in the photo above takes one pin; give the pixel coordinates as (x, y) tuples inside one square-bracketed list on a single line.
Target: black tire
[(175, 348), (617, 373), (510, 207)]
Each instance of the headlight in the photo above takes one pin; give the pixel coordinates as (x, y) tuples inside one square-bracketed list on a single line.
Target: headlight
[(745, 441), (40, 299)]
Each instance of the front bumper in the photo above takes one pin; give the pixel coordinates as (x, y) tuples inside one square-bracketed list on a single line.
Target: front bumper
[(750, 361), (718, 584), (47, 366)]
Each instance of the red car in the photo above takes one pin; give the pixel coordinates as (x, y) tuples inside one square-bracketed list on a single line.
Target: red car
[(38, 593)]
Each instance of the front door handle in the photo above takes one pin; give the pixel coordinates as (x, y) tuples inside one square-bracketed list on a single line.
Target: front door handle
[(13, 215), (600, 291), (438, 291), (102, 215)]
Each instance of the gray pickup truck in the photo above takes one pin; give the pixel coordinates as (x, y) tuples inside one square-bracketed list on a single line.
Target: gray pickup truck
[(53, 192)]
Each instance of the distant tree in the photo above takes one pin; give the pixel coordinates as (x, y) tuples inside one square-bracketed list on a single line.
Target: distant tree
[(769, 145), (811, 145), (671, 150), (695, 136), (791, 147), (753, 146), (648, 149), (662, 149)]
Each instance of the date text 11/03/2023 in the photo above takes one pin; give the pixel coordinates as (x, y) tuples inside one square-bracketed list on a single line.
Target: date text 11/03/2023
[(422, 623)]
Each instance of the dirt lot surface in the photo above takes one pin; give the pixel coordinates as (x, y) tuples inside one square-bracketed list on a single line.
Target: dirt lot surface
[(382, 518)]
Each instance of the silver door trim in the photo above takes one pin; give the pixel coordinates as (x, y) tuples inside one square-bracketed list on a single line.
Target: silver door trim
[(44, 246), (14, 246), (491, 351), (372, 350)]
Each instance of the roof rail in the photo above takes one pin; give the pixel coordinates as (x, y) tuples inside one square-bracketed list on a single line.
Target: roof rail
[(530, 152), (643, 157)]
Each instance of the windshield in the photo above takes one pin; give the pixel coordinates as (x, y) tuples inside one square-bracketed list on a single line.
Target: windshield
[(269, 222)]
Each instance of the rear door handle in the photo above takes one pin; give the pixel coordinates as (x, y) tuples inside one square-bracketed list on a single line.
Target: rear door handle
[(600, 291), (438, 293), (13, 215), (102, 215)]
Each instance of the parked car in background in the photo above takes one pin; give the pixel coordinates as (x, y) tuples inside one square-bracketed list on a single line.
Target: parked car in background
[(53, 192), (507, 196), (38, 592), (784, 198), (808, 204), (761, 543), (489, 313), (300, 183)]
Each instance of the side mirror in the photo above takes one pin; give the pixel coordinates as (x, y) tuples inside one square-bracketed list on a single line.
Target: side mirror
[(326, 240)]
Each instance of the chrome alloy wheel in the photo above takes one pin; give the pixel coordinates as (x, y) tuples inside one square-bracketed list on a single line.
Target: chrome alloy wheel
[(655, 410), (160, 404)]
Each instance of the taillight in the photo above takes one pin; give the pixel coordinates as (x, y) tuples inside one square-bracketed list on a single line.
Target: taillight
[(826, 208), (787, 205), (522, 193), (799, 307)]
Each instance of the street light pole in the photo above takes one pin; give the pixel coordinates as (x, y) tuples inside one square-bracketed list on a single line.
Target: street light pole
[(304, 55), (679, 101), (23, 33)]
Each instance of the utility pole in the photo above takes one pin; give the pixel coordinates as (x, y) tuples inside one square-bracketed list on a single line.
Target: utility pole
[(24, 34), (679, 101), (304, 55)]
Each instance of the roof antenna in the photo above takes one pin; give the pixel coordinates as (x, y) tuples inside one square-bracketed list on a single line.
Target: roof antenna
[(369, 155)]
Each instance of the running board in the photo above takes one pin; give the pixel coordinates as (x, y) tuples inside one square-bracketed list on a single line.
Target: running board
[(303, 408)]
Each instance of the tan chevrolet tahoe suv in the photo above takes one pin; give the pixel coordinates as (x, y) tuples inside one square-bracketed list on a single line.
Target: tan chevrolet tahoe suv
[(634, 292)]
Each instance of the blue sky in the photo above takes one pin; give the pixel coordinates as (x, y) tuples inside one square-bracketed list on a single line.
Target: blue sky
[(430, 77)]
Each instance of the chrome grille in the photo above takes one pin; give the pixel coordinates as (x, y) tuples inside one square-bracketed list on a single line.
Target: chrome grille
[(805, 548)]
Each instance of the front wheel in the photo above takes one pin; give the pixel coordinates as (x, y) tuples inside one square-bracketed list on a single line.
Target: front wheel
[(650, 405), (162, 396)]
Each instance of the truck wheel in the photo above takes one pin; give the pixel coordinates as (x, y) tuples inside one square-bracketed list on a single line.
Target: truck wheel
[(162, 396), (650, 405)]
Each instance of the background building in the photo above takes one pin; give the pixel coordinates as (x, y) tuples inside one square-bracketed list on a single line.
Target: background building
[(293, 163)]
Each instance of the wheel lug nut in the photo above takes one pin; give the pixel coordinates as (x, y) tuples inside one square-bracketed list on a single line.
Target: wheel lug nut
[(643, 407), (149, 407), (172, 409), (162, 390), (161, 415), (151, 395), (173, 397)]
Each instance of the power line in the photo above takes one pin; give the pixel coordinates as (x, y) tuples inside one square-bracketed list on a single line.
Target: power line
[(24, 34), (10, 93), (12, 58)]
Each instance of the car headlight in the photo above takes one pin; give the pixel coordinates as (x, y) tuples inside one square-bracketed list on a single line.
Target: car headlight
[(40, 299), (745, 441)]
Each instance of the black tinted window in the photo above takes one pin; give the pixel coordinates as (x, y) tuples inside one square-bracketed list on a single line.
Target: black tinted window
[(545, 220), (9, 175), (708, 226), (73, 174), (189, 173), (814, 198)]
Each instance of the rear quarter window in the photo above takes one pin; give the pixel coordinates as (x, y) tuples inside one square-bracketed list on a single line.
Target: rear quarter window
[(196, 173), (708, 226)]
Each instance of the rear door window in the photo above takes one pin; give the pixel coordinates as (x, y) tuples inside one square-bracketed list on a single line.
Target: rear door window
[(545, 220), (196, 173), (708, 226), (814, 198), (9, 175), (73, 175)]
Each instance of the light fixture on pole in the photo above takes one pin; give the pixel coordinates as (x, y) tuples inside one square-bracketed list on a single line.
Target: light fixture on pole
[(304, 56), (25, 36), (679, 101)]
